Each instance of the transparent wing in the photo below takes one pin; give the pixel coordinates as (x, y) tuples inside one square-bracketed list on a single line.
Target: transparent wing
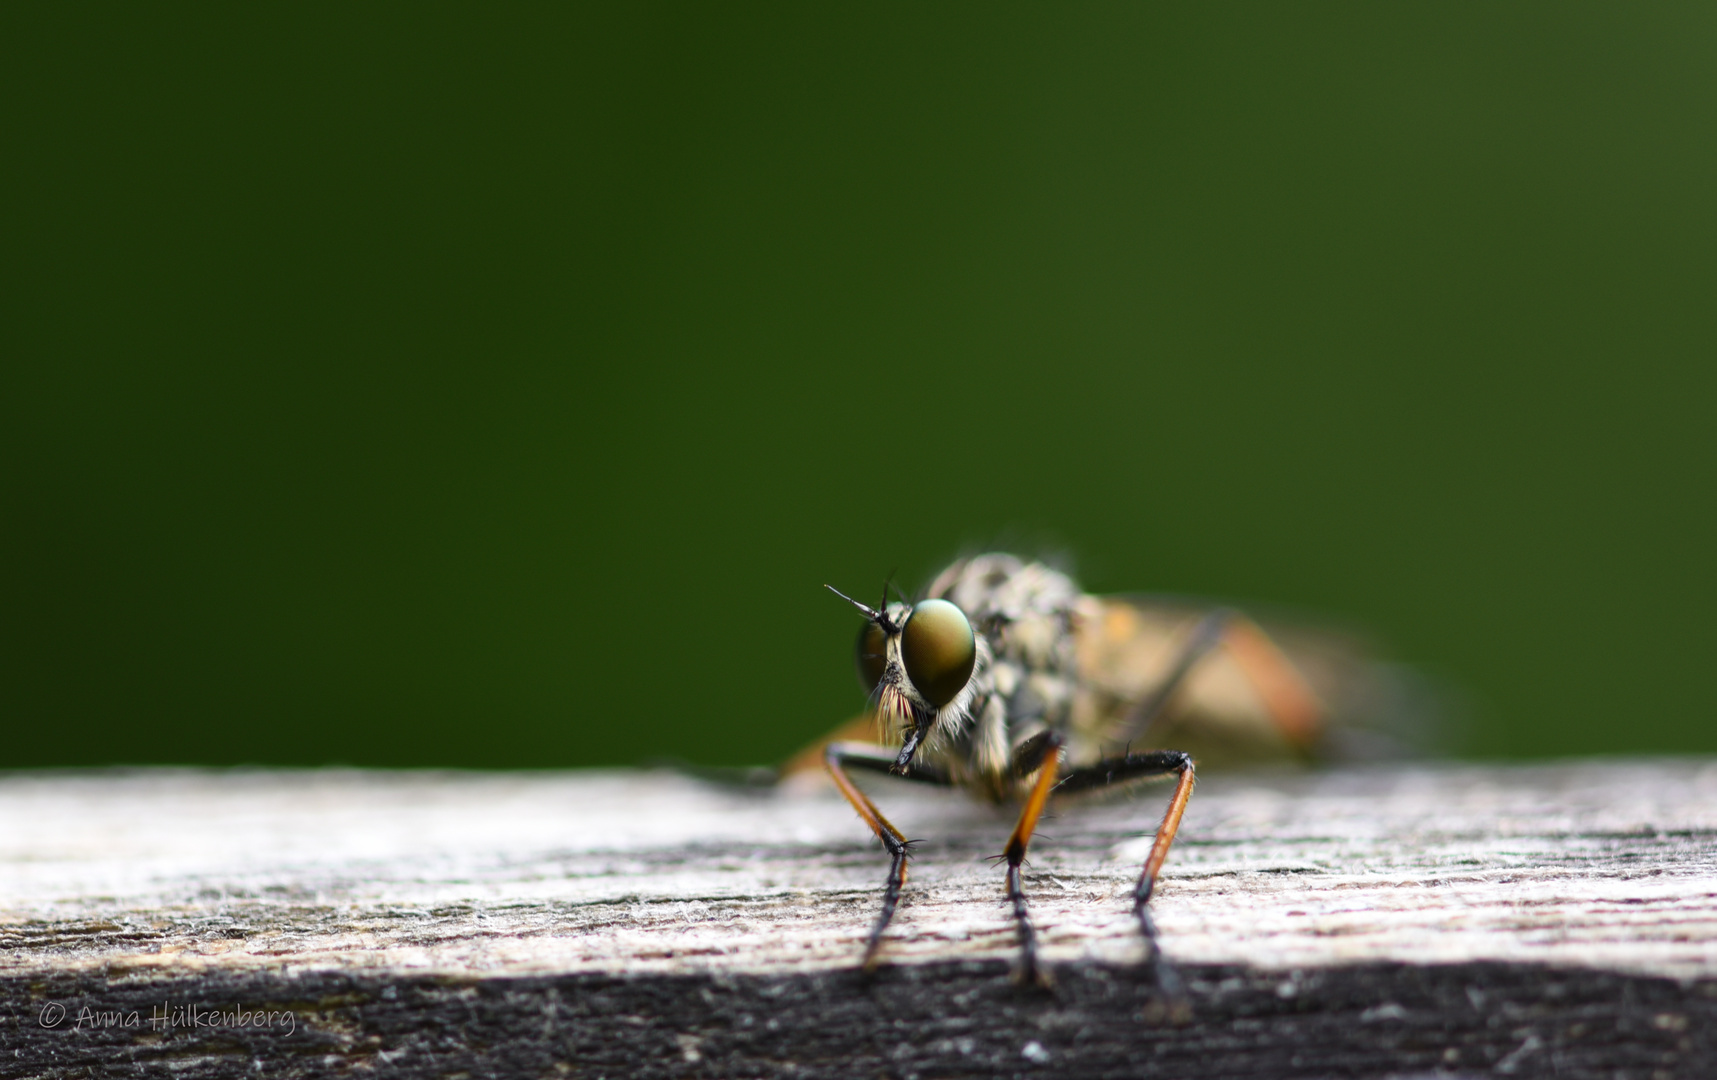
[(1277, 687)]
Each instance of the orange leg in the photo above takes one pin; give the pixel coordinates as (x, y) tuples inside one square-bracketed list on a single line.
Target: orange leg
[(860, 755), (1043, 754), (861, 728), (1138, 767)]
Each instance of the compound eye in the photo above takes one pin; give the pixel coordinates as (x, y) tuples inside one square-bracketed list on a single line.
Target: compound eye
[(872, 655), (939, 650)]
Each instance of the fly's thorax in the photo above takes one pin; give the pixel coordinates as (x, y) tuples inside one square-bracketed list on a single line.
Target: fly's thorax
[(1005, 589), (1031, 698), (1031, 615), (1040, 641), (1030, 611)]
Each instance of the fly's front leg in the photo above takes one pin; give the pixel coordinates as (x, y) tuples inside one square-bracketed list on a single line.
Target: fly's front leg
[(840, 756), (1040, 754), (1139, 767)]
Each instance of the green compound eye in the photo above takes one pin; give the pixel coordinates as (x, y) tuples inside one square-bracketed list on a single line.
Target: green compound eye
[(939, 650), (872, 655)]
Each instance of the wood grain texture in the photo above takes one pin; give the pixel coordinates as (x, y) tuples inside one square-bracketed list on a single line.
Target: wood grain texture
[(1544, 920)]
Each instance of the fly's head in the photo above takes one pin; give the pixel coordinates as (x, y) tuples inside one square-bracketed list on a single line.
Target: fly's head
[(917, 662)]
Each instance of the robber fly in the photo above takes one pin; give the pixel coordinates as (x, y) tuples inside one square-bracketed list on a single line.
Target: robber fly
[(1008, 681)]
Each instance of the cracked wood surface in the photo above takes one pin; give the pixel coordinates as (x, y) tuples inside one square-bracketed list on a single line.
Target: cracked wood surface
[(1448, 920), (1599, 865)]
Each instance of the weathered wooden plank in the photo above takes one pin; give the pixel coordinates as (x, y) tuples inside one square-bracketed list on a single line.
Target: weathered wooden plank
[(1348, 913)]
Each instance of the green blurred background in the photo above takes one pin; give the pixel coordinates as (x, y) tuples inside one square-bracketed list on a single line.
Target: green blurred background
[(444, 386)]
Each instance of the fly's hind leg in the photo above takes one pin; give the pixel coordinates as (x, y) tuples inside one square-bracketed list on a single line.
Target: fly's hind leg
[(841, 756), (1139, 767), (1292, 705)]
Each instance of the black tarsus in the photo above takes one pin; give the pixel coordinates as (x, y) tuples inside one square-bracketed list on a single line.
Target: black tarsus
[(900, 851), (1030, 971)]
